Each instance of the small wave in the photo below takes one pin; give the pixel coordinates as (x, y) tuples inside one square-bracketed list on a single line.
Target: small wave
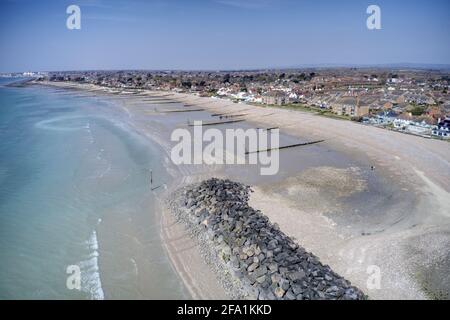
[(134, 266), (63, 124), (101, 175)]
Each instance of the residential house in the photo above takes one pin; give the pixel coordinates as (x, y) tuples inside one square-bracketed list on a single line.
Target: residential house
[(442, 130), (275, 97), (350, 106)]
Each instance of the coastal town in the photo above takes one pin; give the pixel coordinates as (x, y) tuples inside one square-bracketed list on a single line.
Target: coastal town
[(409, 101)]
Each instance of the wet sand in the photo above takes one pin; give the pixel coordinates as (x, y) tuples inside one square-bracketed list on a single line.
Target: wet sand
[(185, 256), (394, 217)]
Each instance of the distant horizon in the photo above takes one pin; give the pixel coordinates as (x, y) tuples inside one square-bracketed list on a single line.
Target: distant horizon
[(406, 65)]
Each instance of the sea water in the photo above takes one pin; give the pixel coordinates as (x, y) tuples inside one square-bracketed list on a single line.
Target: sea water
[(75, 195)]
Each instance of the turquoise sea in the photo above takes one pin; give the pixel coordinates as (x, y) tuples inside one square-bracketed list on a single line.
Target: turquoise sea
[(74, 191)]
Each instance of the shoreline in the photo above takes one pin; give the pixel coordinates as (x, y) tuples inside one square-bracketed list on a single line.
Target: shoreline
[(185, 253), (421, 167), (182, 252)]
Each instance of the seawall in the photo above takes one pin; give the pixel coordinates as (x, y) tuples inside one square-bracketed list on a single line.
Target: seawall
[(252, 258)]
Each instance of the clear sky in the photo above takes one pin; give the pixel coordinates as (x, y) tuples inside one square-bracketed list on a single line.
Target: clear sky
[(219, 34)]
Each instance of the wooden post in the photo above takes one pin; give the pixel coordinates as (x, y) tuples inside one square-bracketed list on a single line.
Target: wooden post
[(151, 178)]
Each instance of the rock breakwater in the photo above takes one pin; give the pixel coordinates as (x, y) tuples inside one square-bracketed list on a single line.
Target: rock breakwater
[(252, 257)]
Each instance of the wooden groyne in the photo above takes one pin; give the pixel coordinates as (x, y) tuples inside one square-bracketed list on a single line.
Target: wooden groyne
[(160, 98), (268, 129), (216, 123), (227, 113), (286, 147), (163, 95), (234, 115), (180, 110), (162, 102)]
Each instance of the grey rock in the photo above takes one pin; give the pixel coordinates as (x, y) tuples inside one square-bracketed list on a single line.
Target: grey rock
[(297, 289), (261, 279), (285, 285), (252, 267), (260, 271), (290, 295), (297, 275), (276, 278), (273, 267), (279, 293), (272, 244)]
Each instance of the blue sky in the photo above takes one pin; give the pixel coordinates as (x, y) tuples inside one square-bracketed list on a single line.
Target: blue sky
[(219, 34)]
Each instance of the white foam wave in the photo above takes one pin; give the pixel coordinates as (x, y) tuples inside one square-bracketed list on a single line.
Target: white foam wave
[(90, 272), (58, 124)]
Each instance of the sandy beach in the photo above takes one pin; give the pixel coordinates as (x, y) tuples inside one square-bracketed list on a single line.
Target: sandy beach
[(363, 197)]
